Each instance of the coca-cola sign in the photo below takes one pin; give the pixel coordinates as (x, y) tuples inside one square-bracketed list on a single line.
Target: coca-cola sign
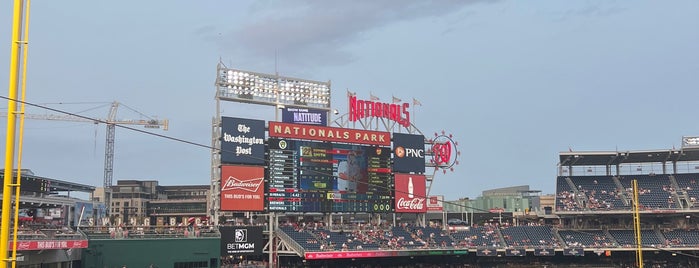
[(410, 193), (412, 204)]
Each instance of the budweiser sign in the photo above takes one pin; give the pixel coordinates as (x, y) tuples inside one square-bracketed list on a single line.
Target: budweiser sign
[(242, 188), (251, 185), (413, 204)]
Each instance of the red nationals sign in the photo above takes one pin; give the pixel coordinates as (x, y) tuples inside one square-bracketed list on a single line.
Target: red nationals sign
[(410, 193)]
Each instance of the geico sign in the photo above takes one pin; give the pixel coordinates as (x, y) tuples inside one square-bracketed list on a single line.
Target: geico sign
[(409, 152)]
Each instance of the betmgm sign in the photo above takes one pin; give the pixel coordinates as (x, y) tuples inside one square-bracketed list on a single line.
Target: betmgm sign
[(241, 240)]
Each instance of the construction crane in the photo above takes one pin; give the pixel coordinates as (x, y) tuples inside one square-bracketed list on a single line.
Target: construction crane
[(111, 122)]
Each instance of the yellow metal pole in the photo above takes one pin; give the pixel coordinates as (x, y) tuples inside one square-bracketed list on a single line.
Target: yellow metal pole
[(10, 138), (637, 225), (25, 53)]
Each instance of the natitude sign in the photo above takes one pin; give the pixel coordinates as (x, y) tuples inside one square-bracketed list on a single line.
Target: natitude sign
[(410, 193), (304, 116), (242, 188)]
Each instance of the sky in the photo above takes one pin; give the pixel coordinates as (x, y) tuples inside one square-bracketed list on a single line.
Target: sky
[(514, 82)]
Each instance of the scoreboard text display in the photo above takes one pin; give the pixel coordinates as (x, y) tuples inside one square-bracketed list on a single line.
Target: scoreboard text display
[(307, 176)]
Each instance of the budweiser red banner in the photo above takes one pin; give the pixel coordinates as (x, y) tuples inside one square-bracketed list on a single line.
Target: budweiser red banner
[(410, 193), (333, 134), (242, 188), (49, 244)]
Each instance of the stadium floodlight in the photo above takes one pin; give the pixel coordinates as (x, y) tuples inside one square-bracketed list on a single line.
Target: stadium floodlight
[(269, 89)]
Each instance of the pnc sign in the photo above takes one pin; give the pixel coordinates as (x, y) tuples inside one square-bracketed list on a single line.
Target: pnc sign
[(409, 153), (359, 109)]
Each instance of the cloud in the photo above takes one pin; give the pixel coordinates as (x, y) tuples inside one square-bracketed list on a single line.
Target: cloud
[(319, 32), (592, 11)]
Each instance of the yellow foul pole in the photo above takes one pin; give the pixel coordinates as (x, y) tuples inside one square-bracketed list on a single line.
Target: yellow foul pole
[(637, 226), (25, 53), (11, 129)]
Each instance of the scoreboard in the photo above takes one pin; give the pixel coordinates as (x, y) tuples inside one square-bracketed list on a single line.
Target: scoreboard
[(307, 176), (30, 183)]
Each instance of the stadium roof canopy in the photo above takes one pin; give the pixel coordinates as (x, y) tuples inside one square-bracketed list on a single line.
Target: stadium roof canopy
[(54, 184), (612, 158)]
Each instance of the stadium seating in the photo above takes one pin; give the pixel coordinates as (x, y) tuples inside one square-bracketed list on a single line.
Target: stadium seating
[(649, 238), (477, 237), (682, 238), (530, 237), (586, 238)]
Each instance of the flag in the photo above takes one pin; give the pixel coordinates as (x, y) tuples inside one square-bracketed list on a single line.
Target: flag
[(416, 102), (350, 93), (372, 97), (396, 100)]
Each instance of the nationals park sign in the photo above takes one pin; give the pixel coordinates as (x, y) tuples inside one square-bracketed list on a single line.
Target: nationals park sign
[(332, 134)]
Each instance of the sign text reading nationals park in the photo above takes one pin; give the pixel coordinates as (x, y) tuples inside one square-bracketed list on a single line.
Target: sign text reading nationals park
[(332, 134)]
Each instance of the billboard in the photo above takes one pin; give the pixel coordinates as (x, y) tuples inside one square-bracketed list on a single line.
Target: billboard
[(242, 141), (408, 153), (690, 142), (242, 188), (241, 240), (435, 203), (308, 176), (49, 244), (331, 134), (410, 193), (305, 116)]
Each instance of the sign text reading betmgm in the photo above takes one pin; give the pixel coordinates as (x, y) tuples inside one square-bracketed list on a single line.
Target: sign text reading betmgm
[(322, 133), (233, 248)]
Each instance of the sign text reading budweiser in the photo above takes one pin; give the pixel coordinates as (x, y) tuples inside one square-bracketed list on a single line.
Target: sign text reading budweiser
[(321, 133)]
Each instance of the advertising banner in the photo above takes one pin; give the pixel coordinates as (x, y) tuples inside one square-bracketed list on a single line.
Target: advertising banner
[(408, 153), (50, 244), (242, 141), (242, 188), (305, 116), (241, 240), (435, 203), (410, 193), (333, 134)]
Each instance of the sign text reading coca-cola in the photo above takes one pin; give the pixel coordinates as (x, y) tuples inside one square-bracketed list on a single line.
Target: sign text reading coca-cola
[(410, 193), (365, 108)]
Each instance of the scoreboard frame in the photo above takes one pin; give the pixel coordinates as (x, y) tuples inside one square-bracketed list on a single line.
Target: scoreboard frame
[(325, 177)]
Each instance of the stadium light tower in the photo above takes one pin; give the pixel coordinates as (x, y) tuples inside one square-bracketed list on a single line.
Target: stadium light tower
[(233, 85), (263, 89)]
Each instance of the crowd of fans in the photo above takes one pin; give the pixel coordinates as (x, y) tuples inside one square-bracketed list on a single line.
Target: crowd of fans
[(490, 235)]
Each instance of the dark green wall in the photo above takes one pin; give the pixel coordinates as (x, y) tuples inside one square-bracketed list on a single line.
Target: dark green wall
[(145, 253)]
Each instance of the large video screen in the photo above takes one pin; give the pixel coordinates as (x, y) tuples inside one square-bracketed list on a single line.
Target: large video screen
[(308, 176)]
